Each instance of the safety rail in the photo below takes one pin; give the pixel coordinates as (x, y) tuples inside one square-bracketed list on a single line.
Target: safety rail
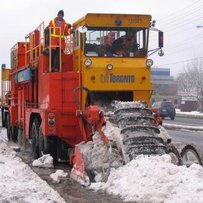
[(14, 56), (69, 44), (51, 46), (37, 43), (48, 45), (34, 45)]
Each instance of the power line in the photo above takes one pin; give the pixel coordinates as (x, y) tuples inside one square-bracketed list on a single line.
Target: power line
[(178, 11), (187, 39), (178, 62), (179, 24), (177, 20), (178, 31)]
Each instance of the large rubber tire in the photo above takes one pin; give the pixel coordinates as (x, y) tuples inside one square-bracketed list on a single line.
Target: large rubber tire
[(20, 137), (172, 118), (174, 153), (3, 119), (190, 155), (8, 126), (42, 143), (14, 134), (35, 139), (48, 145)]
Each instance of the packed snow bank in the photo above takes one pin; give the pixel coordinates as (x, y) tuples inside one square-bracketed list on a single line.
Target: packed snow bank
[(46, 161), (19, 183), (58, 175), (193, 114), (174, 126), (155, 179)]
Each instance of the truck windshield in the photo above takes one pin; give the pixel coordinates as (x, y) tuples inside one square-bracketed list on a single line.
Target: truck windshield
[(114, 42)]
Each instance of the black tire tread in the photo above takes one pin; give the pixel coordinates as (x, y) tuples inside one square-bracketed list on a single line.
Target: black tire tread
[(172, 149), (47, 145), (35, 139), (191, 148)]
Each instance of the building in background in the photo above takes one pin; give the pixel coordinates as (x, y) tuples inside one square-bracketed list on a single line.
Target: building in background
[(163, 85)]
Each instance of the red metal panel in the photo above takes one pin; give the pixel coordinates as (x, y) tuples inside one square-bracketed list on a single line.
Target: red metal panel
[(56, 94), (21, 54), (14, 114), (36, 38), (27, 118), (19, 103), (67, 63)]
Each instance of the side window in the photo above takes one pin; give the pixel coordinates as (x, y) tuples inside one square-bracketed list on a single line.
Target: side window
[(141, 39), (92, 42), (76, 39)]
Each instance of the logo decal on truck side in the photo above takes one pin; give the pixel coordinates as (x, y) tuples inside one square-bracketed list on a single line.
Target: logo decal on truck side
[(111, 78)]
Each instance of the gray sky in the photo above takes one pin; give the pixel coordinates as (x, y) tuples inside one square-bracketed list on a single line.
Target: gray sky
[(177, 18)]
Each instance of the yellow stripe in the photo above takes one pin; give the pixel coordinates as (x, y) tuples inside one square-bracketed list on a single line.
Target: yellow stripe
[(53, 23), (54, 30), (55, 35), (64, 29)]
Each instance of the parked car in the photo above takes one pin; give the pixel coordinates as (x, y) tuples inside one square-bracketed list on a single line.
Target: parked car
[(165, 109)]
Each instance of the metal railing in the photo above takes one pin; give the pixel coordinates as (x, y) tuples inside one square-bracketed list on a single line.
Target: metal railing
[(68, 47), (34, 45)]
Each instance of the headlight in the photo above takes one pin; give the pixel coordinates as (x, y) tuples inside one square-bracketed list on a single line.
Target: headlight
[(88, 62), (149, 62), (109, 67)]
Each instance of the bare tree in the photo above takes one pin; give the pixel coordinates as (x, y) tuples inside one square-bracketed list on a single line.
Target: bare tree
[(190, 82)]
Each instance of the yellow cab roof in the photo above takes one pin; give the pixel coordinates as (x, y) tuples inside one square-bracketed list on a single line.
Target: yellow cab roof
[(113, 20)]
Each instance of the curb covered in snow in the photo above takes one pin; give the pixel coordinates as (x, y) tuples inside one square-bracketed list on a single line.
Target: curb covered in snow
[(189, 115), (18, 181), (173, 126)]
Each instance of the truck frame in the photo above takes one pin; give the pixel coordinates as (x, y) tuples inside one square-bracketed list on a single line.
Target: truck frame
[(44, 107)]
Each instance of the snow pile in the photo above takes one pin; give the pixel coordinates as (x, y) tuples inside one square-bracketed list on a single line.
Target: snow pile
[(192, 114), (5, 150), (164, 134), (58, 175), (46, 161), (3, 132), (113, 134), (174, 126), (98, 157), (19, 183), (155, 179)]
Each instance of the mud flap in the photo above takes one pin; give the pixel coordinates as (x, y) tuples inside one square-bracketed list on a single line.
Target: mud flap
[(78, 172)]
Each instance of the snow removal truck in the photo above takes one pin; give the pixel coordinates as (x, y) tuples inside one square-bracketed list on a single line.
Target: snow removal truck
[(105, 66)]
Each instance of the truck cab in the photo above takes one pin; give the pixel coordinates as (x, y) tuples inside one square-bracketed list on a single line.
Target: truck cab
[(109, 74)]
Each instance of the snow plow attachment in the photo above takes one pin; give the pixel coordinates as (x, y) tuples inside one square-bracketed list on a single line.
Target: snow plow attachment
[(132, 131)]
